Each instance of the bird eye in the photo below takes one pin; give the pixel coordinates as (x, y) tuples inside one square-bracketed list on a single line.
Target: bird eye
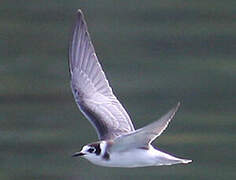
[(91, 150)]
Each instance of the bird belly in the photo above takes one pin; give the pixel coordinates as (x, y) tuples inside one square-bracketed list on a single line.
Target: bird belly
[(128, 159), (140, 158)]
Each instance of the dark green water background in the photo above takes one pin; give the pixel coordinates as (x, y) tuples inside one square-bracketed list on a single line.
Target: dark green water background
[(155, 53)]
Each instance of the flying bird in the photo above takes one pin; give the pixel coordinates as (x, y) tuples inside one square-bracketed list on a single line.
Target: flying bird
[(119, 144)]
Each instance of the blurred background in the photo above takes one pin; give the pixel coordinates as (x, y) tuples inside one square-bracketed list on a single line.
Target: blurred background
[(155, 53)]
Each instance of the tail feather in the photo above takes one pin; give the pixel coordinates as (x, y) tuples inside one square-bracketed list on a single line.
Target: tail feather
[(167, 159), (173, 161), (186, 161)]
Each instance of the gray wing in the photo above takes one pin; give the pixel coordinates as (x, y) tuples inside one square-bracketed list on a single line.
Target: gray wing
[(91, 89), (141, 138)]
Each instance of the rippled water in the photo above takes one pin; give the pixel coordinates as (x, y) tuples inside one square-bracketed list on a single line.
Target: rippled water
[(155, 53)]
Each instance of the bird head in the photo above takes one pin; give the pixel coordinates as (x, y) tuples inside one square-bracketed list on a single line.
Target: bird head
[(92, 151)]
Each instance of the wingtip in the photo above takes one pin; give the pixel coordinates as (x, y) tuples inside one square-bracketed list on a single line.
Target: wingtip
[(178, 104), (80, 13), (177, 107)]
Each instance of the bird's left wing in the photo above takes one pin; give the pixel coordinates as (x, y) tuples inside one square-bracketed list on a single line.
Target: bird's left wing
[(141, 138), (91, 89)]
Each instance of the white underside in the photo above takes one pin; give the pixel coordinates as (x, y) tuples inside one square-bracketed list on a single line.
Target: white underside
[(139, 158)]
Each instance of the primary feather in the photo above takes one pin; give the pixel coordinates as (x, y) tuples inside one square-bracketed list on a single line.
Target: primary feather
[(91, 89), (141, 138)]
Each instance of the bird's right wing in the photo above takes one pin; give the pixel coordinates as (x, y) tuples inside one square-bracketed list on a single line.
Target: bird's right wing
[(91, 89), (141, 138)]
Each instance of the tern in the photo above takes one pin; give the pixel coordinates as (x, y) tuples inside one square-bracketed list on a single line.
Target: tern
[(119, 145)]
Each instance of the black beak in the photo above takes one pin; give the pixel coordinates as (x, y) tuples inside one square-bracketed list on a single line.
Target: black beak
[(78, 154)]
